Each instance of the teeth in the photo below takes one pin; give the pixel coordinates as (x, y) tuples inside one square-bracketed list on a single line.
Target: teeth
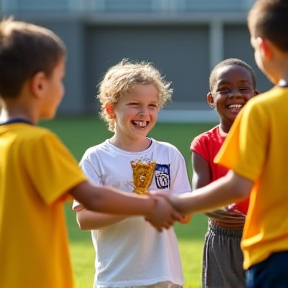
[(140, 123), (235, 106)]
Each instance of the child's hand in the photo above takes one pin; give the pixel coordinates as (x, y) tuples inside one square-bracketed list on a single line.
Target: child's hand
[(164, 215), (185, 219)]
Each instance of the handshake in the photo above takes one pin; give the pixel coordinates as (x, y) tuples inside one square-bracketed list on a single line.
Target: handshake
[(166, 210)]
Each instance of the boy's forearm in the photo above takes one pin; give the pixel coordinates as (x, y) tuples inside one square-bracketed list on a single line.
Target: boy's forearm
[(116, 202), (226, 190), (108, 200), (88, 220)]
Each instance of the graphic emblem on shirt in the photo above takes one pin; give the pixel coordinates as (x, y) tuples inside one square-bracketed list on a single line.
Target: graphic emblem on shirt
[(143, 170), (162, 176)]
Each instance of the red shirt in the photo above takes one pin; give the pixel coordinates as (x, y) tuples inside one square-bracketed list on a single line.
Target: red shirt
[(208, 145)]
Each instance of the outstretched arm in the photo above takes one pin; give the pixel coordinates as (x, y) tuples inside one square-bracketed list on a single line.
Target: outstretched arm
[(88, 220), (108, 200), (222, 192)]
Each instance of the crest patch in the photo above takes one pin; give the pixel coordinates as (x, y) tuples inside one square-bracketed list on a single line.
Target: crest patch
[(162, 176)]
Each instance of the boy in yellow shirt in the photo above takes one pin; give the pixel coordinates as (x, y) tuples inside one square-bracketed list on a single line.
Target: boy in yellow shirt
[(255, 152), (37, 172)]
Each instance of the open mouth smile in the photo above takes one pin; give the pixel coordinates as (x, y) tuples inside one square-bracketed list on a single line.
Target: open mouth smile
[(141, 124), (235, 106)]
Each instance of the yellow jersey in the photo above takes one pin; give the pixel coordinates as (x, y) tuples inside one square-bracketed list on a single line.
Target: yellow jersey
[(36, 171), (256, 148)]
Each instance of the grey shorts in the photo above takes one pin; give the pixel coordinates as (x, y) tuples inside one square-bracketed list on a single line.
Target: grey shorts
[(223, 258)]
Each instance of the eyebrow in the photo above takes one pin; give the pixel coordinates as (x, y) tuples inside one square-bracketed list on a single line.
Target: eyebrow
[(227, 82)]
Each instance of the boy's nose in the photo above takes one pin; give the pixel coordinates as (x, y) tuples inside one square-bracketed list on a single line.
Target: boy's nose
[(142, 112), (234, 93)]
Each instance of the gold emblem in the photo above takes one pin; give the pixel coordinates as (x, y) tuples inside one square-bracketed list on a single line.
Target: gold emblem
[(143, 170)]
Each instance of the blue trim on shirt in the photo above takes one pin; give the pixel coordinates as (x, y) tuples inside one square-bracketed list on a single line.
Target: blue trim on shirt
[(16, 120)]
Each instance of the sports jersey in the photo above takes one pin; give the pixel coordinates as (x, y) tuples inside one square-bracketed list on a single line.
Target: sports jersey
[(132, 252), (255, 148), (36, 171)]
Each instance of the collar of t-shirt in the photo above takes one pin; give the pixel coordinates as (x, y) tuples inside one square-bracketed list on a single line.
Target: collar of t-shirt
[(16, 120), (282, 83)]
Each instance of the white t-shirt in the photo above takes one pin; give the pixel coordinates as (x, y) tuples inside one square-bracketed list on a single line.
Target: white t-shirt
[(132, 252)]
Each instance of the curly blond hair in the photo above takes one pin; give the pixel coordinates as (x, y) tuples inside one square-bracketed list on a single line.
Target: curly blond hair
[(120, 78)]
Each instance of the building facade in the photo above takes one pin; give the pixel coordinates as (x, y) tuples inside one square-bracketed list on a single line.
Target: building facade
[(185, 39)]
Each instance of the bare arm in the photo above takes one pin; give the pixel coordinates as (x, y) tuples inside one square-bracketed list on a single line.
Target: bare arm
[(222, 192), (201, 171), (108, 200), (202, 177), (88, 220)]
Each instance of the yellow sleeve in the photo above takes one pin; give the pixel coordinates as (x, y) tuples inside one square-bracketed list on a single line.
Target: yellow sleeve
[(52, 168), (245, 146)]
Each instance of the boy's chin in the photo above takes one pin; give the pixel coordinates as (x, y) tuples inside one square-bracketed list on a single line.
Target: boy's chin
[(47, 116), (233, 116)]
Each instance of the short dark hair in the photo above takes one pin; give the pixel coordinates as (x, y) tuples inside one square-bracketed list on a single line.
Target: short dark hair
[(26, 49), (230, 62), (269, 19)]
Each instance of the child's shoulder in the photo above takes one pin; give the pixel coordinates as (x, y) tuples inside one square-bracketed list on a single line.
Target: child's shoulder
[(269, 102), (275, 95), (37, 136), (208, 134), (98, 148), (164, 145), (206, 139), (29, 132), (28, 138)]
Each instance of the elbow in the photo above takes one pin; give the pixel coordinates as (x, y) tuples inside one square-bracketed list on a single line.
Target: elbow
[(240, 185), (241, 194), (83, 224), (242, 190)]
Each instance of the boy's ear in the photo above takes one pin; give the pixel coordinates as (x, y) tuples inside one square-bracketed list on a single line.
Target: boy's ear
[(110, 110), (256, 92), (210, 100), (37, 84), (265, 47)]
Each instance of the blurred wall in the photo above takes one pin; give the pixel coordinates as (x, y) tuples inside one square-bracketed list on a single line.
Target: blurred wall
[(184, 46)]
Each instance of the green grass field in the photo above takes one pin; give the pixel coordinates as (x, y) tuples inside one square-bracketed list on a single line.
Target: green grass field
[(79, 133)]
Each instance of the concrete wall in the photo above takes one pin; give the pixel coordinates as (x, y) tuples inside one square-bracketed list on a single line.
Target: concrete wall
[(179, 52), (185, 48)]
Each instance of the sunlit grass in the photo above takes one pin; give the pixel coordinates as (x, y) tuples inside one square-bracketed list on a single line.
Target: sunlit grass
[(190, 239)]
